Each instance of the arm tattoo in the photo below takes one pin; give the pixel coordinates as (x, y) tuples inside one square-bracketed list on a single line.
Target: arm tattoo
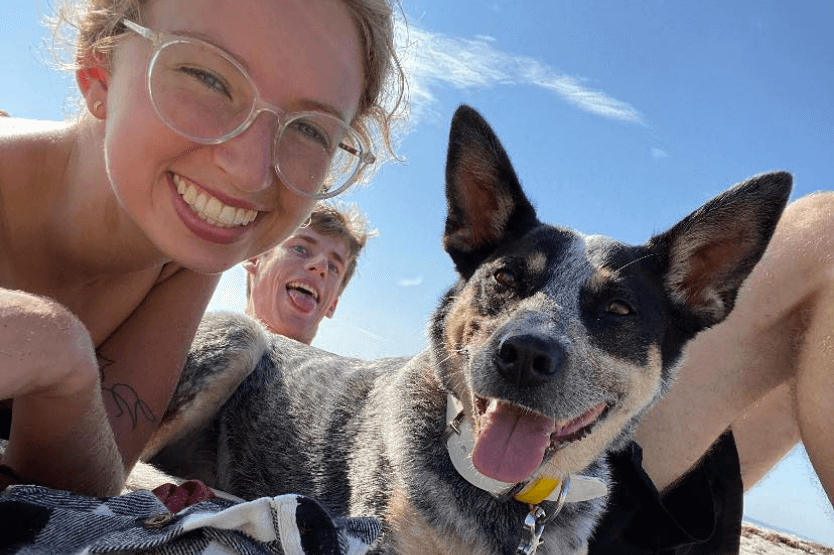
[(125, 397)]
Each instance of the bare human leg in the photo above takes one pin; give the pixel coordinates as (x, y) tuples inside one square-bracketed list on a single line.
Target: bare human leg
[(741, 372)]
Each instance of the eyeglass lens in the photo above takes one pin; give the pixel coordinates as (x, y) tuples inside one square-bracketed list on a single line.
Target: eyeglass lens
[(202, 95)]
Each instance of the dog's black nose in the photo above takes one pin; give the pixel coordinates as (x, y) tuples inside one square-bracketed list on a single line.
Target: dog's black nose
[(528, 360)]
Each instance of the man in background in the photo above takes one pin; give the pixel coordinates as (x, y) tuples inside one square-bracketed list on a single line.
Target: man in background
[(293, 286)]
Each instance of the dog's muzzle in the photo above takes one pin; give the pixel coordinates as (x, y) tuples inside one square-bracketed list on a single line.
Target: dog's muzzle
[(559, 489)]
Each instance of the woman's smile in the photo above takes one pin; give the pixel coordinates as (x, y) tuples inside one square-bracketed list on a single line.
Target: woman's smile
[(206, 217), (210, 209)]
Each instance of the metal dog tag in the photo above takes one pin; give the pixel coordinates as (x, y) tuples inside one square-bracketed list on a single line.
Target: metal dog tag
[(531, 534)]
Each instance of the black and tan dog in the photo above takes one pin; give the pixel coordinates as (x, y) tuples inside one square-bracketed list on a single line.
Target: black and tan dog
[(542, 359)]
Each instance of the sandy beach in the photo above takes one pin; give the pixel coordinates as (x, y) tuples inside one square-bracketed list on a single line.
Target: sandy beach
[(756, 540)]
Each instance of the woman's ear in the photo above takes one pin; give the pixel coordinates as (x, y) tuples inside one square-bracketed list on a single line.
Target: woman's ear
[(92, 82)]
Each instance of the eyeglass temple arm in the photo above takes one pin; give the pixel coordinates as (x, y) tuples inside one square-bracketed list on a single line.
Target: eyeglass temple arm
[(366, 158), (138, 29)]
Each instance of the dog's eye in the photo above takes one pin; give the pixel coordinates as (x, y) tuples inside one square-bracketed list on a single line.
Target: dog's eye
[(505, 277), (618, 307)]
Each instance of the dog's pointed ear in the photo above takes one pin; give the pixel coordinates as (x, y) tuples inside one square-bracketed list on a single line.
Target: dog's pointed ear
[(709, 254), (486, 205)]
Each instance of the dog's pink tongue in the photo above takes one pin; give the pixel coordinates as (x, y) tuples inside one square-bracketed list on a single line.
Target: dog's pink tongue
[(512, 442)]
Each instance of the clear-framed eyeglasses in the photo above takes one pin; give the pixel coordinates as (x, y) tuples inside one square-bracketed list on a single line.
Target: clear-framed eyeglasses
[(206, 96)]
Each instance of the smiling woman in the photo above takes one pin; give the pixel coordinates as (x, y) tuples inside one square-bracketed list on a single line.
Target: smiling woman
[(209, 130)]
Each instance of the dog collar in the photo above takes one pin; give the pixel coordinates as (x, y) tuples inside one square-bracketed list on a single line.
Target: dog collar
[(561, 489)]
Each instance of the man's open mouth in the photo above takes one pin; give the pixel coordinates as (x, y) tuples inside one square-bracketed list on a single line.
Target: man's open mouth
[(304, 296), (512, 442), (304, 289)]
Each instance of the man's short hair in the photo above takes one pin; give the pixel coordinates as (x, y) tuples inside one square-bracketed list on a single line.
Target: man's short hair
[(346, 223)]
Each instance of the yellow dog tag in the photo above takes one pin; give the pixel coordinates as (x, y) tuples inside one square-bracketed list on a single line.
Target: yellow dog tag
[(538, 491)]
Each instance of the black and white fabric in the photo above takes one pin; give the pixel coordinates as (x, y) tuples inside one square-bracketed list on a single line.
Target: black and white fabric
[(40, 521)]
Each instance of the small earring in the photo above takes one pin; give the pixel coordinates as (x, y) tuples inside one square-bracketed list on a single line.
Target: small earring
[(308, 222), (96, 105)]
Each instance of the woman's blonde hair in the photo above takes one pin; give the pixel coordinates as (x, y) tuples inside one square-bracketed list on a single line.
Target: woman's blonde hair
[(95, 29)]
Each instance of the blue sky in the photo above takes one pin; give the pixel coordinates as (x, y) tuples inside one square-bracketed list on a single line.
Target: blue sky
[(620, 117)]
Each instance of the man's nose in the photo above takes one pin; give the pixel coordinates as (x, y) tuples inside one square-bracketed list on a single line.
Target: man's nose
[(318, 264)]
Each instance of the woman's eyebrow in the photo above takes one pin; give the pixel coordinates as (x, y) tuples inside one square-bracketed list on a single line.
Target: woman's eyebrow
[(316, 106), (212, 40), (305, 104)]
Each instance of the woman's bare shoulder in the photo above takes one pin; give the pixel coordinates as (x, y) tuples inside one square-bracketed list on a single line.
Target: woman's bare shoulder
[(28, 148), (22, 130)]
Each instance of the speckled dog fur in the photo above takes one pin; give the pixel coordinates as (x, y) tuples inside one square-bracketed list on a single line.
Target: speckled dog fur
[(592, 321)]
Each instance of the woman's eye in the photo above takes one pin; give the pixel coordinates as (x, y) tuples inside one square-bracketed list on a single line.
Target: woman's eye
[(207, 78), (618, 307), (311, 133), (300, 249), (505, 277)]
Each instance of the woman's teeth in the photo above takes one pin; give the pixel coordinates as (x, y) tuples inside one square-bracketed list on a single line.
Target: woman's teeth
[(210, 209)]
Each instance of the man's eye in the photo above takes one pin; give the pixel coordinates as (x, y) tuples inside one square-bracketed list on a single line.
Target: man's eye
[(300, 249), (334, 269)]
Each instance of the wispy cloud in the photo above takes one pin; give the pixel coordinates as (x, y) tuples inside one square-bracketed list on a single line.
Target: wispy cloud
[(434, 60), (659, 153), (411, 282), (369, 333)]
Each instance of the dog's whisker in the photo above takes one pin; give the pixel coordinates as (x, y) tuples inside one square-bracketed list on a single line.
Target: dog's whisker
[(635, 261), (451, 353)]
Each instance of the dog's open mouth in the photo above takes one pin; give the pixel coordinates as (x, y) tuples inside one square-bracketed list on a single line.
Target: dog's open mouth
[(512, 442)]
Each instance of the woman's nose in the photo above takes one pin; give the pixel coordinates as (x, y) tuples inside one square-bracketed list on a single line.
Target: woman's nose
[(247, 158)]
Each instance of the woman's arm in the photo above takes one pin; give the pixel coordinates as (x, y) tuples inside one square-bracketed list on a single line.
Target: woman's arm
[(142, 360), (60, 436)]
